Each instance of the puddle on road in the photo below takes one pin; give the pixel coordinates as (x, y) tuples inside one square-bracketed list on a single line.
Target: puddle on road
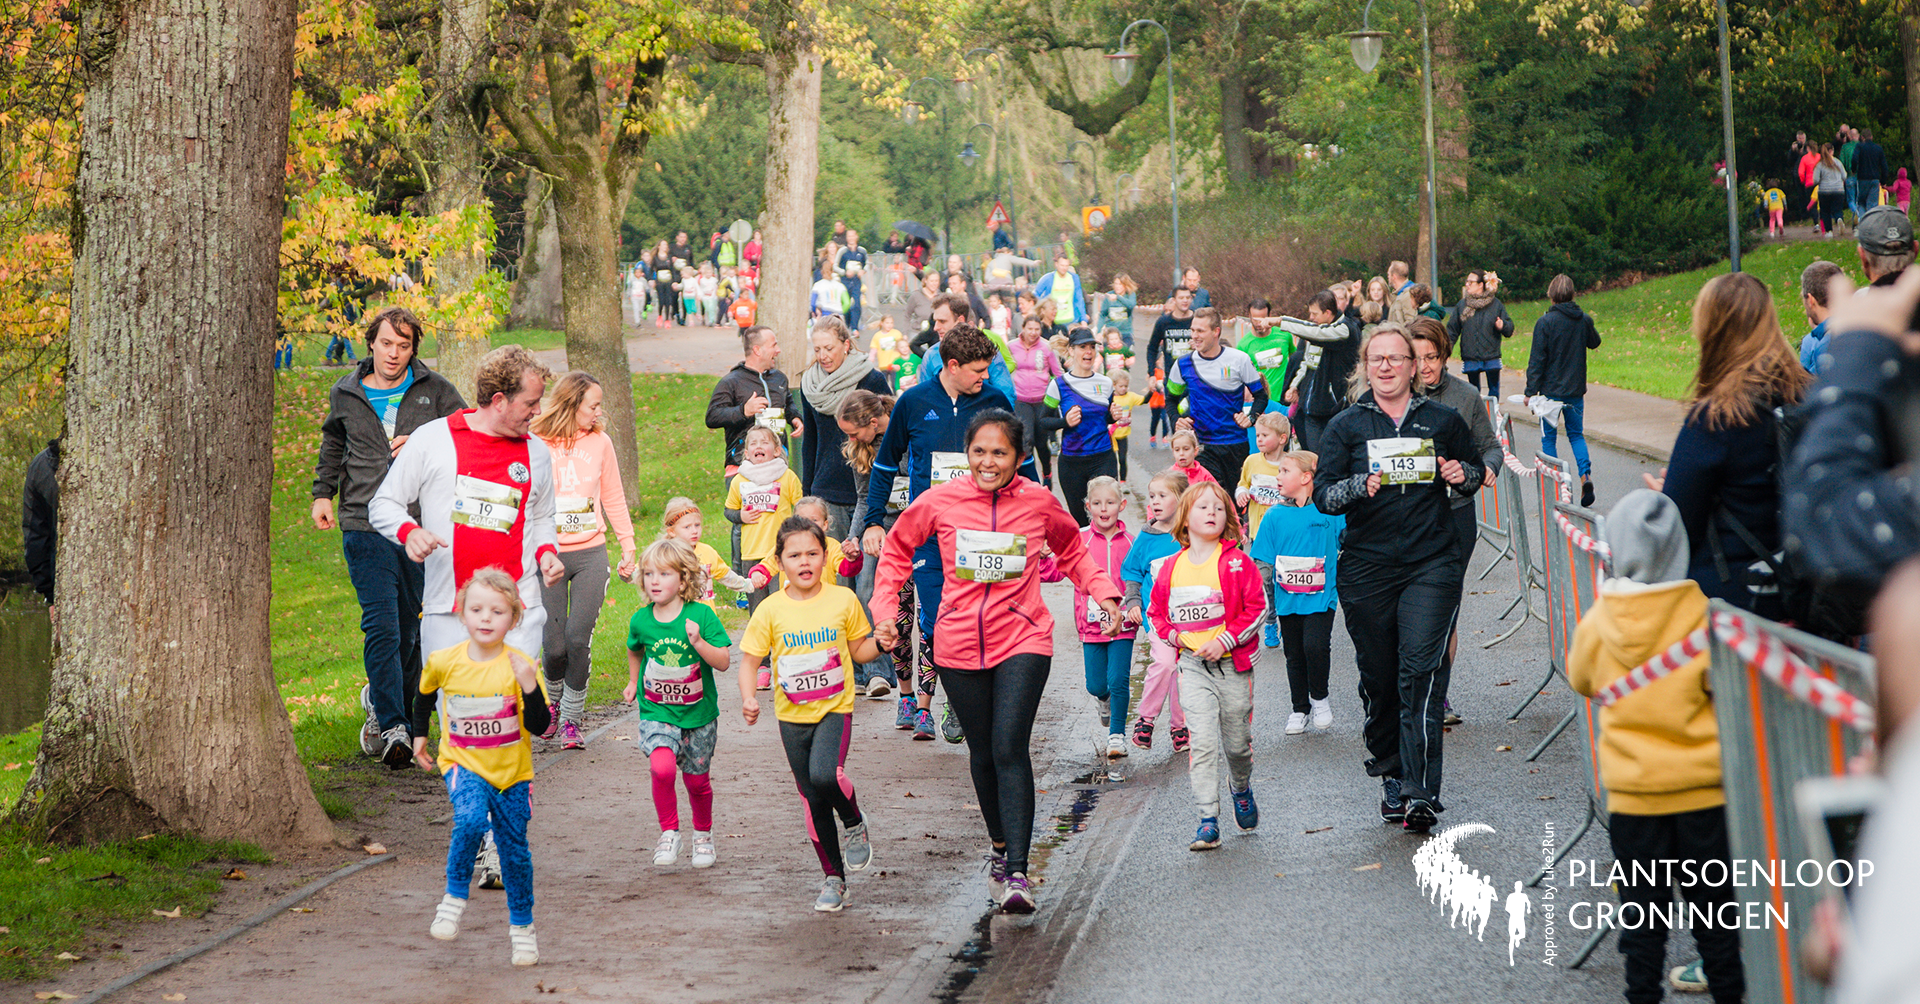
[(968, 962)]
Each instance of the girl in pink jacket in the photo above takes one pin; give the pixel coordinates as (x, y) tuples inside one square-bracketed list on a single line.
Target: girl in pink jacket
[(993, 636), (1209, 603), (1108, 658)]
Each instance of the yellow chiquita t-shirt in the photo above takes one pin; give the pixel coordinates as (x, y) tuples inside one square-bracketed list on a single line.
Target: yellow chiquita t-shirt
[(1195, 599), (774, 502), (481, 727), (1261, 478), (808, 643)]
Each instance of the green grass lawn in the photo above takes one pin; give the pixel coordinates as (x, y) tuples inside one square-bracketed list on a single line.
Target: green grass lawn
[(51, 907), (1647, 329)]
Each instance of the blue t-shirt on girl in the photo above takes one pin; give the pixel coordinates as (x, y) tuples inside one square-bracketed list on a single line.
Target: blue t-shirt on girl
[(1303, 546), (1143, 559)]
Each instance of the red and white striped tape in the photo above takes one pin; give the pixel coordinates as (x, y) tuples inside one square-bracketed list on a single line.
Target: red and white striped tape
[(1761, 651), (1578, 538)]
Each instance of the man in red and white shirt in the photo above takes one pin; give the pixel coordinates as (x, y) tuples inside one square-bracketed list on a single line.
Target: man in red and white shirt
[(484, 490)]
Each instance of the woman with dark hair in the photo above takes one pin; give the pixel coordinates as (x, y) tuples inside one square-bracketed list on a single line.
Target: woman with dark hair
[(666, 300), (993, 642), (839, 367), (1830, 179), (1478, 325), (1722, 473)]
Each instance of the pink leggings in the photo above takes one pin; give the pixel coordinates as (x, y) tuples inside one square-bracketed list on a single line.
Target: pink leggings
[(1162, 683), (666, 801), (1776, 219)]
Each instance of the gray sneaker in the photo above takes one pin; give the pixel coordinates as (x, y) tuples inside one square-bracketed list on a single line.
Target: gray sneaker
[(398, 748), (370, 744), (833, 895), (488, 863), (858, 848), (950, 726)]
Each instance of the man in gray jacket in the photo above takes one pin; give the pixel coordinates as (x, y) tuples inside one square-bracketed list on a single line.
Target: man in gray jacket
[(371, 412)]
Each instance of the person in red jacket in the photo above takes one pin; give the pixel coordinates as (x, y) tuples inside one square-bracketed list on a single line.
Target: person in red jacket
[(1209, 603), (993, 640)]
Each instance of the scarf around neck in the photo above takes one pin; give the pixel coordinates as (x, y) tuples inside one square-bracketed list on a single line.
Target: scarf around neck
[(765, 472), (1470, 305), (826, 390)]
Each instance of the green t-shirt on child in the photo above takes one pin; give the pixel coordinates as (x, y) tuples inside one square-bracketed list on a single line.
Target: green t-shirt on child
[(676, 685)]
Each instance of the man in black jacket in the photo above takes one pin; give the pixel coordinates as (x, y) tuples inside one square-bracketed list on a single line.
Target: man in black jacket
[(40, 518), (1332, 337), (1869, 167), (370, 414), (1557, 369)]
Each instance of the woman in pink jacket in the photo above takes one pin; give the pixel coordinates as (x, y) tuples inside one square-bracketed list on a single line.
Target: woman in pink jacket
[(993, 637), (588, 498), (1209, 603)]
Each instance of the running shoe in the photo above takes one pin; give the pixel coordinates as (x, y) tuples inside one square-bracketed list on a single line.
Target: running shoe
[(1019, 895), (1690, 978), (1419, 817), (488, 861), (904, 719), (923, 725), (765, 681), (1143, 733), (1246, 811), (997, 875), (950, 726), (833, 895), (446, 918), (570, 737), (858, 847), (703, 853), (1105, 706), (1393, 808), (399, 748), (1451, 718), (525, 951), (1207, 837), (878, 687), (1116, 746), (1181, 738), (667, 851), (1296, 723), (1322, 713), (1586, 492), (370, 743), (1271, 636), (553, 719)]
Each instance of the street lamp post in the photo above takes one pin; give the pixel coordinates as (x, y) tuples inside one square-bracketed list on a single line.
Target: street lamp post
[(1093, 164), (969, 156), (910, 112), (1366, 55), (963, 86), (1726, 131), (1122, 70)]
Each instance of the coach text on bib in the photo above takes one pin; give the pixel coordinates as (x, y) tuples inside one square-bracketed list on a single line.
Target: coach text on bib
[(484, 505), (988, 555), (1401, 461), (575, 514)]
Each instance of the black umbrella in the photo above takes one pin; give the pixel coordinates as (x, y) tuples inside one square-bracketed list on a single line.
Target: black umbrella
[(913, 229)]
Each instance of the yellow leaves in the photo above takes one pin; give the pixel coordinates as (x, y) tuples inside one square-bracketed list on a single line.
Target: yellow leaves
[(173, 914)]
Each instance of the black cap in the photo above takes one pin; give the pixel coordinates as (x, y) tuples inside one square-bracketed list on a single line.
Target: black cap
[(1082, 336), (1885, 230)]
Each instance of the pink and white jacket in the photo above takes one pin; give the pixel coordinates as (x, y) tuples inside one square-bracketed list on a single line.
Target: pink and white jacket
[(489, 499), (1245, 598), (1108, 554), (587, 492), (990, 607)]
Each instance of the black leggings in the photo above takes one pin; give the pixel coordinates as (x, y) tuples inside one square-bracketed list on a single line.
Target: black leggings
[(1308, 641), (1120, 454), (1075, 472), (1700, 835), (818, 755), (1493, 381), (996, 706)]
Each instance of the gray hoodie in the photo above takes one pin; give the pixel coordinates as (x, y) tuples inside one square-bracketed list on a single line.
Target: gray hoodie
[(1647, 538)]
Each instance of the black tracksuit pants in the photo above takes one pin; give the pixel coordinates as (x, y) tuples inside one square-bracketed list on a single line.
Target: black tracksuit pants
[(1399, 617)]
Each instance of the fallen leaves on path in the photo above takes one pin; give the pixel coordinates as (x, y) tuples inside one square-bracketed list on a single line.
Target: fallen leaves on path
[(235, 874), (1369, 868), (1320, 829), (173, 914), (374, 848), (1503, 749), (173, 997), (300, 909), (67, 957), (54, 995)]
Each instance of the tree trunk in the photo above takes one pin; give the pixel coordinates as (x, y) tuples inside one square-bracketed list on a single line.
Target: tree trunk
[(164, 712), (1449, 110), (1234, 141), (459, 175), (1910, 57), (1422, 261), (588, 229), (786, 225), (536, 301)]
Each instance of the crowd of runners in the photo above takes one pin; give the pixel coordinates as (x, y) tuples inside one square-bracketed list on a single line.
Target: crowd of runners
[(893, 514)]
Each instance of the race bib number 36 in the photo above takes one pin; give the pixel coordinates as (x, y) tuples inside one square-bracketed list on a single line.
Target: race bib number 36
[(482, 722), (485, 505), (675, 685), (1300, 575), (574, 514), (811, 676), (947, 466), (1401, 461), (988, 556)]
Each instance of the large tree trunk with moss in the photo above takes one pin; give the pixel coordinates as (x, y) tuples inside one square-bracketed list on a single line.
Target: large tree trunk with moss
[(164, 713), (588, 230), (536, 301), (1234, 140), (1449, 109), (786, 225), (459, 175)]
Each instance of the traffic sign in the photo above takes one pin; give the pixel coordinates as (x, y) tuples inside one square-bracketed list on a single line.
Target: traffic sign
[(740, 231), (1093, 219), (999, 214)]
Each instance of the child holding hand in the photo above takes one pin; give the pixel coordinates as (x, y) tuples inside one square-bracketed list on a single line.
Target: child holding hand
[(1108, 659), (1298, 547), (675, 643), (683, 521), (760, 496)]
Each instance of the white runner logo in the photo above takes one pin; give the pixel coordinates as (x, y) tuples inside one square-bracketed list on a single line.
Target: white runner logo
[(1462, 892)]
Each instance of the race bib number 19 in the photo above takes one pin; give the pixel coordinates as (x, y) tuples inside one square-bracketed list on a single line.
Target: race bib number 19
[(989, 556), (484, 505), (1403, 461)]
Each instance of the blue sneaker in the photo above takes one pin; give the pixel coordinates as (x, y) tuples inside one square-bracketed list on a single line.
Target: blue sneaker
[(904, 719), (923, 724), (1393, 808), (1207, 837), (1272, 636), (1245, 811)]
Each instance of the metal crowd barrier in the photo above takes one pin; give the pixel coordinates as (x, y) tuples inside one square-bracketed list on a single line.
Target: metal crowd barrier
[(1489, 509), (1790, 706), (1563, 612)]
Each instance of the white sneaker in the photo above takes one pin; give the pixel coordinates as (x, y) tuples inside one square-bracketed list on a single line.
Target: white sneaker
[(525, 951), (1116, 747), (1296, 723), (370, 742), (667, 851), (488, 862), (878, 688), (703, 853), (446, 918), (1322, 713)]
